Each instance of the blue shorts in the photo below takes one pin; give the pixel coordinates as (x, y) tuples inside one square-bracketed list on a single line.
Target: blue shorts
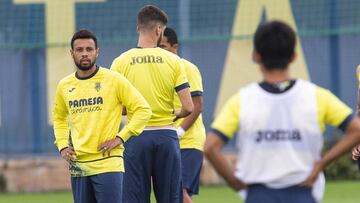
[(294, 194), (191, 162), (358, 161), (153, 155), (100, 188)]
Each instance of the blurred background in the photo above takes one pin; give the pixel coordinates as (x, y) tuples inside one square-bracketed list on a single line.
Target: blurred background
[(214, 34)]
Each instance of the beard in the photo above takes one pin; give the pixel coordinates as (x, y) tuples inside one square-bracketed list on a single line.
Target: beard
[(85, 67)]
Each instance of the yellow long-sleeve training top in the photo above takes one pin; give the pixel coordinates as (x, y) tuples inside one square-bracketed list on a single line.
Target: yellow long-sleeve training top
[(92, 109)]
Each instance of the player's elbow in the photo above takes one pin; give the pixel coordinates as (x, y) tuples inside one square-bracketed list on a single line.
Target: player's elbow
[(213, 145), (209, 151), (148, 112), (198, 107), (188, 109)]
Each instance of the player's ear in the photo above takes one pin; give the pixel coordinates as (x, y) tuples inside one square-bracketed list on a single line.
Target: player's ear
[(72, 53), (97, 52), (159, 29), (293, 57), (175, 46), (256, 57)]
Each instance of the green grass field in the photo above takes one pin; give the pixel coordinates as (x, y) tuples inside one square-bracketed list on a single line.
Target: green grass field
[(336, 192)]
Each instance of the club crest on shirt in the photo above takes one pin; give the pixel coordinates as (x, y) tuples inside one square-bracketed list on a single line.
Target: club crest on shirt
[(97, 86)]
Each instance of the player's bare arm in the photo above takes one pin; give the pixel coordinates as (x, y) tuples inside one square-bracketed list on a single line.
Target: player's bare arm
[(189, 120), (212, 150), (186, 104), (358, 92), (356, 149), (352, 138)]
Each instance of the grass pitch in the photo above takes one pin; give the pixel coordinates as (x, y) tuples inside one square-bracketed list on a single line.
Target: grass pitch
[(336, 192)]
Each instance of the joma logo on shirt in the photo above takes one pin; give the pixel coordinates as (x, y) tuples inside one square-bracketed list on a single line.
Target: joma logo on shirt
[(146, 59), (86, 102), (278, 135)]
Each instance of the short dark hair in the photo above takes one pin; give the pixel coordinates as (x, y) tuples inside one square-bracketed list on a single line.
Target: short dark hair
[(150, 14), (83, 34), (171, 36), (275, 42)]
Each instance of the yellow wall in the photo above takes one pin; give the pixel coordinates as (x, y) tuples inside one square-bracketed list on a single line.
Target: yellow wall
[(239, 68)]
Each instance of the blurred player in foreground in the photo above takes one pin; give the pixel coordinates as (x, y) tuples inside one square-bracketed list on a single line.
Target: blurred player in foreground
[(356, 149), (90, 103), (157, 74), (279, 124), (190, 130)]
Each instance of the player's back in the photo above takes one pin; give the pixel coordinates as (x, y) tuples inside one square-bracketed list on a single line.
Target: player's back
[(156, 73)]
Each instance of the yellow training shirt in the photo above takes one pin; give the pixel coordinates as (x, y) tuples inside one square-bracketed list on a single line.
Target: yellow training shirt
[(194, 137), (156, 73), (91, 107)]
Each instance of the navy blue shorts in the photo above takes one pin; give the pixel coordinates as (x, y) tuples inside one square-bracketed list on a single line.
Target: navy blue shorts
[(358, 161), (100, 188), (294, 194), (153, 155), (191, 162)]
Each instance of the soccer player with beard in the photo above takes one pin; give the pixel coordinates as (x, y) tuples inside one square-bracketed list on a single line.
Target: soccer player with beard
[(90, 103), (157, 74)]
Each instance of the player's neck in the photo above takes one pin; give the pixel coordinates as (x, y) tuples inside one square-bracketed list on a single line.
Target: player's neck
[(86, 73), (147, 41), (276, 76)]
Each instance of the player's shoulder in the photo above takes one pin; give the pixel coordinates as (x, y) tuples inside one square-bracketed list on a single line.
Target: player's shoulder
[(187, 62), (234, 100), (251, 87), (236, 95), (322, 92), (314, 85), (358, 73), (106, 71), (67, 79), (358, 69), (125, 54), (110, 73), (167, 54), (190, 65)]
